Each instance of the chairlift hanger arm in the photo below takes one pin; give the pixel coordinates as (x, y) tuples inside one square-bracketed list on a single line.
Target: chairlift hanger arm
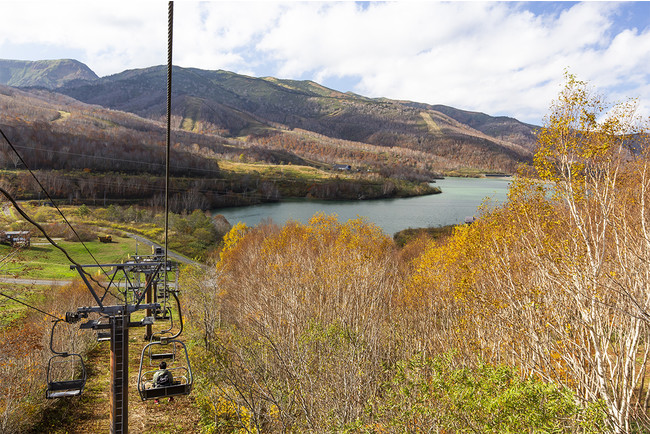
[(59, 353), (180, 316)]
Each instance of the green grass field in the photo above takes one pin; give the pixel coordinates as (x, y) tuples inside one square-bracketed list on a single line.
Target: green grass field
[(44, 261), (11, 310), (274, 171)]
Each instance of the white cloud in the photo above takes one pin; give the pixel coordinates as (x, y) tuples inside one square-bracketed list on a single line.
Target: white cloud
[(499, 58), (111, 35)]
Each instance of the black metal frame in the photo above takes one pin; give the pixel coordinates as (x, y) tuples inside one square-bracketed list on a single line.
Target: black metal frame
[(64, 388), (181, 385)]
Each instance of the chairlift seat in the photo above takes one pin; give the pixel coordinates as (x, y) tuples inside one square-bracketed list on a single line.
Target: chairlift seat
[(56, 386), (182, 375), (63, 389), (163, 391)]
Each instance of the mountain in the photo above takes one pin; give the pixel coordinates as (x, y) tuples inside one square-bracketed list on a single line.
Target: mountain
[(49, 74), (239, 105), (89, 153), (301, 120), (500, 127)]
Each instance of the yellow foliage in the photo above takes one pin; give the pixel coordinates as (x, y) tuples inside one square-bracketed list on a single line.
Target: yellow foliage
[(553, 282), (231, 239)]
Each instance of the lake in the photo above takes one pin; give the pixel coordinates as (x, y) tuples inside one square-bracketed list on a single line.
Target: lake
[(459, 199)]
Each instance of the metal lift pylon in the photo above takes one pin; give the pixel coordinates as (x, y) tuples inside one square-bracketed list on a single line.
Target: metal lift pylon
[(119, 323), (120, 373)]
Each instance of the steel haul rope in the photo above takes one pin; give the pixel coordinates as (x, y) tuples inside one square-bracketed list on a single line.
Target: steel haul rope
[(170, 26)]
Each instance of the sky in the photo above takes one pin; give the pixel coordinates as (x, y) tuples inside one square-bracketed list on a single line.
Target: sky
[(499, 58)]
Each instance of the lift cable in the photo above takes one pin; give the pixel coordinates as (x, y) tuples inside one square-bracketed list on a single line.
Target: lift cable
[(52, 202), (170, 26), (40, 228), (13, 253), (30, 306), (9, 256)]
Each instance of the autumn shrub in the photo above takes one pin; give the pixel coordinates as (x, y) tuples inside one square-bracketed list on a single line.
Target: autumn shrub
[(305, 320), (25, 351), (83, 211), (45, 214), (62, 230), (435, 394), (554, 282), (81, 233), (322, 327), (534, 318)]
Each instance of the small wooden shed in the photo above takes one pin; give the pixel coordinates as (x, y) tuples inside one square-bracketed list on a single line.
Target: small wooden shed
[(16, 238)]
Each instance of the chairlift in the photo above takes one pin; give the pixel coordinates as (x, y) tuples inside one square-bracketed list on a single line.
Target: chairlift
[(163, 291), (163, 351), (182, 375), (66, 373), (163, 314), (156, 354)]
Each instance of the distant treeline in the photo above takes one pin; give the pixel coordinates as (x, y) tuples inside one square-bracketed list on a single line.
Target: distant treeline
[(42, 146), (187, 194)]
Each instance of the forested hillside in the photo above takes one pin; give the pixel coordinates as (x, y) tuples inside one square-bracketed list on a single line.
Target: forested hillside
[(310, 121), (238, 105), (94, 154)]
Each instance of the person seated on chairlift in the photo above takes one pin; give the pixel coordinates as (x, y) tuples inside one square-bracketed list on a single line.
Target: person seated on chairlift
[(162, 378)]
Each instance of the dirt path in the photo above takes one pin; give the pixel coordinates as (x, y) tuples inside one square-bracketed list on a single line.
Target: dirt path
[(35, 281), (90, 412)]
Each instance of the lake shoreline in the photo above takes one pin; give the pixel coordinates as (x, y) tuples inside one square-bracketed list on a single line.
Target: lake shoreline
[(460, 199)]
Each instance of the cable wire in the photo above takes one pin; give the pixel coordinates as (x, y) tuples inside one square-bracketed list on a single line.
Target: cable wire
[(30, 306), (40, 228), (170, 28), (51, 201)]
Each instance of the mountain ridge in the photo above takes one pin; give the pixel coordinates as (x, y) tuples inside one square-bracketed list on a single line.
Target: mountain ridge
[(234, 105), (49, 74)]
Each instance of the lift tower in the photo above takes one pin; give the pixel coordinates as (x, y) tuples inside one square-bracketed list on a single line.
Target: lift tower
[(117, 319)]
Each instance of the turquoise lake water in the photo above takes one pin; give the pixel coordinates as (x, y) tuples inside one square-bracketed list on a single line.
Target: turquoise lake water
[(460, 198)]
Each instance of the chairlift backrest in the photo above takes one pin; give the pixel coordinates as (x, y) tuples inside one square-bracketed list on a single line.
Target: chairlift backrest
[(66, 372), (67, 380), (164, 349)]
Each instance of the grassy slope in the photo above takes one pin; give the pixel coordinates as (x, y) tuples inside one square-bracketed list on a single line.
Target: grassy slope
[(11, 310), (272, 171), (44, 261)]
